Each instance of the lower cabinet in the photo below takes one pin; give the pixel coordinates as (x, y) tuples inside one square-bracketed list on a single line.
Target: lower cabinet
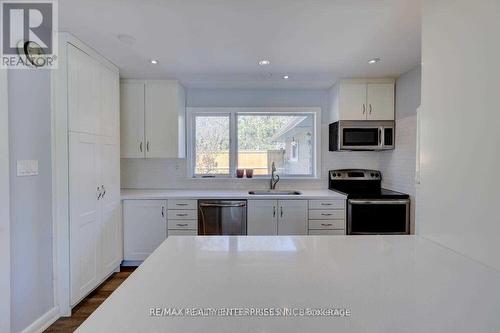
[(277, 217), (145, 227)]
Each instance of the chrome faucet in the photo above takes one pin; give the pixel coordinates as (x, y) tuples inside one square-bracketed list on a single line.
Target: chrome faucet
[(274, 178)]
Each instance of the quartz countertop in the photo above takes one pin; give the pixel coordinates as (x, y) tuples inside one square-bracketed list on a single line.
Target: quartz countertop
[(224, 194), (388, 283)]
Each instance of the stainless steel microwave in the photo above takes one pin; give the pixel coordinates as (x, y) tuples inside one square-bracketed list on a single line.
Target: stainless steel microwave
[(362, 135)]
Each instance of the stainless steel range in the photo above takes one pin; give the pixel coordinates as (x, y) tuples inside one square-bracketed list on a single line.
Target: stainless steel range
[(371, 209)]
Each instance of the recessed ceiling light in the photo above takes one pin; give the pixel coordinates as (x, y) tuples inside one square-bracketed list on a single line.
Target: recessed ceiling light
[(127, 39), (154, 62), (286, 77), (374, 61), (264, 62)]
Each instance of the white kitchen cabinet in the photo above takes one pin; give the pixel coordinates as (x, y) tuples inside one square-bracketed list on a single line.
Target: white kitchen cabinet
[(292, 219), (112, 233), (380, 101), (92, 95), (145, 227), (87, 91), (132, 119), (370, 99), (153, 119), (352, 101), (95, 211), (85, 215), (262, 217), (277, 217), (109, 102), (83, 92)]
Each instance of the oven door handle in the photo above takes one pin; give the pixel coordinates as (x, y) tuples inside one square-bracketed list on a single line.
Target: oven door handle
[(379, 202)]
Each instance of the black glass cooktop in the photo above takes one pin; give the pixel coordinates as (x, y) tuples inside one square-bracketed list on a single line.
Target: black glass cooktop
[(365, 193)]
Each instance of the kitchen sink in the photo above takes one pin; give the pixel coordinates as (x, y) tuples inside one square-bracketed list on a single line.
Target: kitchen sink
[(274, 192)]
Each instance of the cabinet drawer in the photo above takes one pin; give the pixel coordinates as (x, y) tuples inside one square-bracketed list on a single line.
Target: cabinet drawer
[(325, 214), (182, 204), (183, 224), (326, 204), (324, 224), (327, 232), (183, 233), (177, 214)]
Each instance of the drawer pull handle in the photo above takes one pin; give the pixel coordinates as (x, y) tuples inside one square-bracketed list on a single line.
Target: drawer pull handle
[(326, 224), (182, 224), (324, 214), (181, 204), (181, 214)]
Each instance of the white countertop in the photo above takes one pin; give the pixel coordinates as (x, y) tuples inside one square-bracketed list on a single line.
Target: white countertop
[(224, 194), (389, 283)]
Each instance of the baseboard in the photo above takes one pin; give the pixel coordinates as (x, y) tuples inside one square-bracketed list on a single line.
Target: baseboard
[(42, 323)]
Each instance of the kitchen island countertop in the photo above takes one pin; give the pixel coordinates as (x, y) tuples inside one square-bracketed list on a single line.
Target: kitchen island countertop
[(386, 283)]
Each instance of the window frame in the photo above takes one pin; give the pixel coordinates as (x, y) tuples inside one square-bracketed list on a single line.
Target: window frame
[(233, 113)]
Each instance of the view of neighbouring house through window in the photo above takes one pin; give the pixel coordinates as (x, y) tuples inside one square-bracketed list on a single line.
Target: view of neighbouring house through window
[(261, 139)]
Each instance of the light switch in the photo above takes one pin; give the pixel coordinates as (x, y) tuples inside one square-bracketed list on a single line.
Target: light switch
[(27, 168)]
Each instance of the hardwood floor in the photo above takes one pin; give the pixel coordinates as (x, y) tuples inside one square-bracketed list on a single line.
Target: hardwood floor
[(85, 308)]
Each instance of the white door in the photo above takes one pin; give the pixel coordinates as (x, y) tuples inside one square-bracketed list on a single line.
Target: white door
[(352, 101), (292, 217), (132, 120), (380, 101), (145, 227), (262, 217), (110, 102), (112, 239), (162, 120), (83, 92), (85, 222)]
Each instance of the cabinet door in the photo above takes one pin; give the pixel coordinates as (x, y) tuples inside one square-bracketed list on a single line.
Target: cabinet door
[(145, 227), (292, 217), (262, 217), (112, 233), (132, 120), (110, 100), (352, 101), (162, 120), (85, 224), (83, 92), (380, 101)]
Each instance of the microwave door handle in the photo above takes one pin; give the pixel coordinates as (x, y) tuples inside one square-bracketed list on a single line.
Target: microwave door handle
[(380, 136)]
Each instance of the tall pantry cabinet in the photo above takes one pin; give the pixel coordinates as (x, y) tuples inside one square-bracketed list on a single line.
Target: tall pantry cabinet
[(95, 226)]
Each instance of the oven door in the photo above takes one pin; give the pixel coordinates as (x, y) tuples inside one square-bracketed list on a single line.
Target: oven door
[(378, 217)]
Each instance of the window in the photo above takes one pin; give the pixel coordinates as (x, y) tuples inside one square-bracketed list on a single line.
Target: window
[(223, 140)]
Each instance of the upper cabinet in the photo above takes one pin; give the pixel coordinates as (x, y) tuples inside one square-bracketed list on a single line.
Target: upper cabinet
[(92, 93), (371, 99), (152, 119)]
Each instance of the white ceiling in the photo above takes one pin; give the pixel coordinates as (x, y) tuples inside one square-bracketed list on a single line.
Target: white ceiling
[(217, 43)]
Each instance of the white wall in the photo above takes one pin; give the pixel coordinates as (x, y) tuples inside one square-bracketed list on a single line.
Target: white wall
[(460, 137), (171, 173), (30, 205), (398, 165), (4, 207)]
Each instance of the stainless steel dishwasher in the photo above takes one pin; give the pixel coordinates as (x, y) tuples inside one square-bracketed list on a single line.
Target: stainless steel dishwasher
[(222, 217)]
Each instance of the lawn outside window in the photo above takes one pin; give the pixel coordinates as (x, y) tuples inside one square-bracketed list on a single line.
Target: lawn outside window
[(221, 140)]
